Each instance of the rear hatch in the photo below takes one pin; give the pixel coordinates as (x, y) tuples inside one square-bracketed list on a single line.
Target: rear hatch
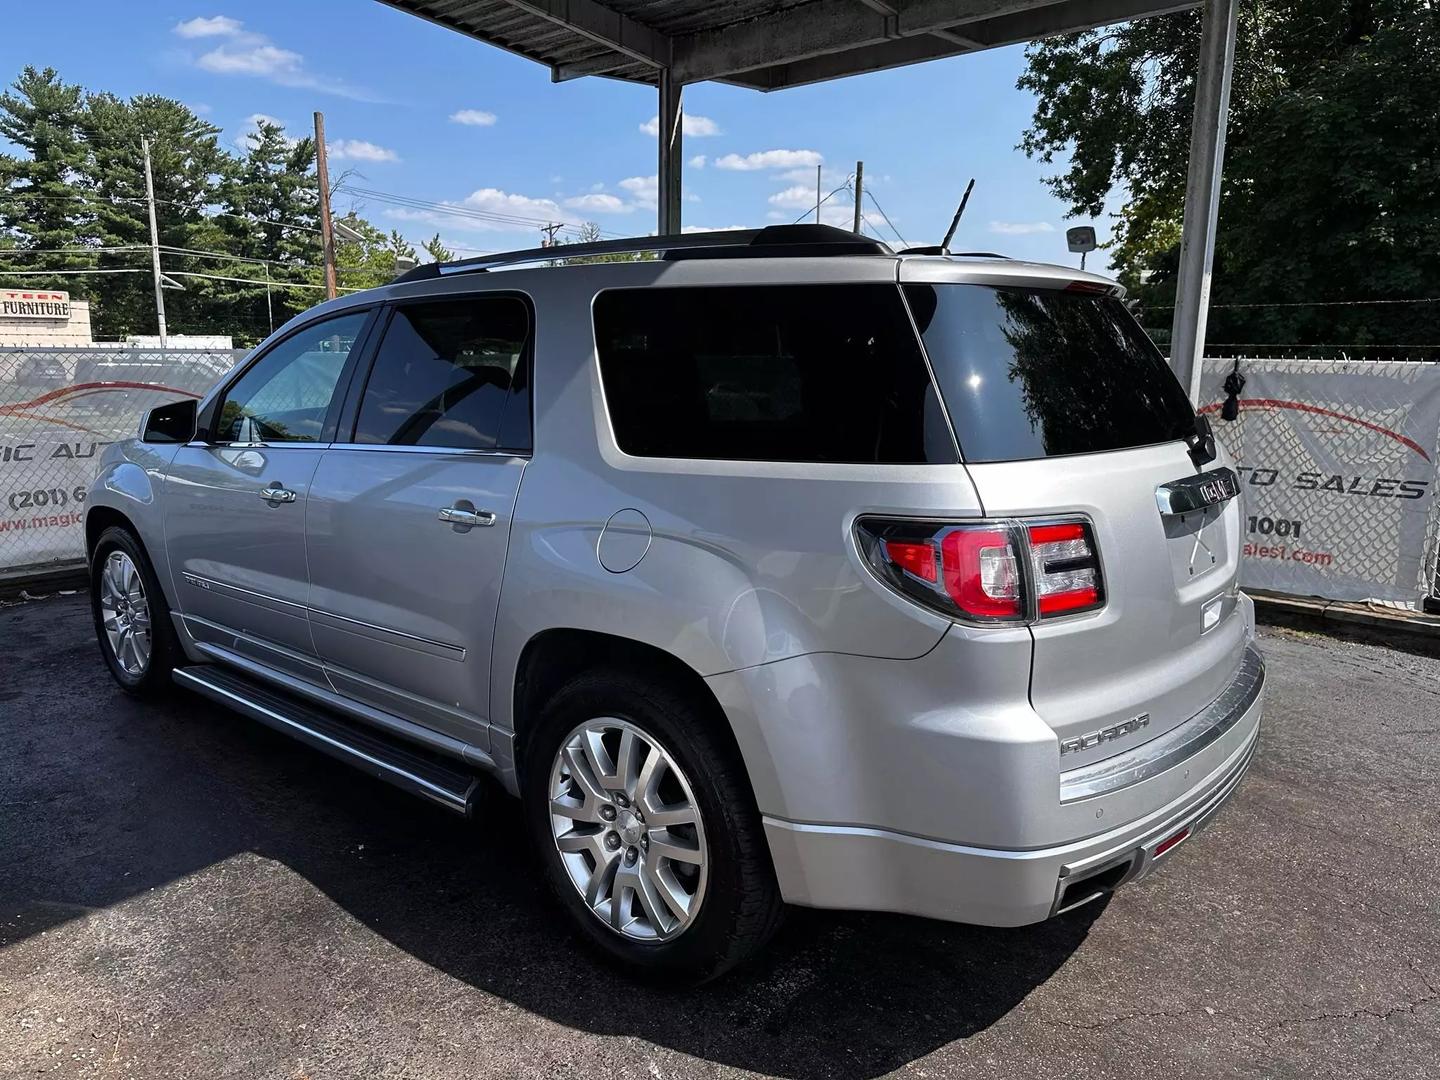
[(1063, 407)]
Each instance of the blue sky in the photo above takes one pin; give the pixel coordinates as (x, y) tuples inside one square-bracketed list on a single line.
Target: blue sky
[(424, 113)]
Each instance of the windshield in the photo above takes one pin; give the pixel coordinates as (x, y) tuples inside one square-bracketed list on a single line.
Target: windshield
[(1033, 373)]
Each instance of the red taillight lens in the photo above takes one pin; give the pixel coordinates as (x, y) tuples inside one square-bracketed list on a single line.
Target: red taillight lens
[(1066, 568), (988, 572), (981, 573), (914, 558)]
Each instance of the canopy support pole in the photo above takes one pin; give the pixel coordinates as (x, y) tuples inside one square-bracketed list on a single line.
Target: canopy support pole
[(671, 147), (1202, 192)]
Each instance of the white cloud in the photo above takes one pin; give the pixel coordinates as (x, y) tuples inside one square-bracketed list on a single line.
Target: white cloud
[(645, 190), (245, 52), (1020, 228), (799, 176), (250, 128), (360, 150), (712, 228), (795, 198), (692, 127), (474, 118), (698, 161), (215, 26), (596, 203), (770, 159), (486, 210)]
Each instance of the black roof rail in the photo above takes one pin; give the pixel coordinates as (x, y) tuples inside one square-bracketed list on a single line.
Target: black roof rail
[(935, 249), (773, 240)]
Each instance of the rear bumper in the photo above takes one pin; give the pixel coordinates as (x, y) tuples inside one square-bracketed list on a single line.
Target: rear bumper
[(856, 867)]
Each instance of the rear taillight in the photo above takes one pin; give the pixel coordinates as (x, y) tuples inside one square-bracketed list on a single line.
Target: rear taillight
[(988, 572)]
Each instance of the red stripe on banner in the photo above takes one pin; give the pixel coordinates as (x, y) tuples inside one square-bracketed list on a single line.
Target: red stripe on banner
[(1300, 406), (68, 391), (52, 420)]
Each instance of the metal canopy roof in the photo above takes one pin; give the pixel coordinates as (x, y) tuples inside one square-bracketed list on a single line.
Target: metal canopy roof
[(762, 44)]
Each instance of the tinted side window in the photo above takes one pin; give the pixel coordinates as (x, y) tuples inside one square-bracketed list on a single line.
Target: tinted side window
[(451, 373), (284, 395), (1032, 373), (768, 373)]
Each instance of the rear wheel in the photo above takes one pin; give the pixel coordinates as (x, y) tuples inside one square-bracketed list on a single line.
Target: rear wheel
[(132, 620), (647, 828)]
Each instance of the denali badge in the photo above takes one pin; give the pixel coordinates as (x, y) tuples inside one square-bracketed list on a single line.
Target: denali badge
[(1109, 734)]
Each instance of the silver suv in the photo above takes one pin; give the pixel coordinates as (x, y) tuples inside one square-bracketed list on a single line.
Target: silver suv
[(781, 568)]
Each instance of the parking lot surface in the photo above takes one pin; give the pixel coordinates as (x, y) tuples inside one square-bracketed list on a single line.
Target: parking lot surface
[(183, 892)]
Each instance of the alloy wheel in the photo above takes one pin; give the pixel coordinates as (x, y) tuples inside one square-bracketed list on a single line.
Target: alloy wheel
[(125, 613), (628, 830)]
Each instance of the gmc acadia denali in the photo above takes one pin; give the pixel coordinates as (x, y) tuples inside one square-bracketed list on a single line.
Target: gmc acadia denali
[(778, 568)]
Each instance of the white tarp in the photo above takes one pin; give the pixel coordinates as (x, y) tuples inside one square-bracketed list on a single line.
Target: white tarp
[(1337, 462)]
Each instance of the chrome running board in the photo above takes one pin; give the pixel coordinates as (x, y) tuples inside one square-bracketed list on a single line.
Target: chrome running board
[(408, 767)]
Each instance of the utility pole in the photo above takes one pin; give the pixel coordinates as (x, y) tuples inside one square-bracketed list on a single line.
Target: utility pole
[(269, 306), (817, 194), (154, 244), (327, 233), (859, 191), (549, 231)]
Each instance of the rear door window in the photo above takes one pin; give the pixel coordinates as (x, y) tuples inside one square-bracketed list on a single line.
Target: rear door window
[(451, 373), (1033, 373), (823, 373)]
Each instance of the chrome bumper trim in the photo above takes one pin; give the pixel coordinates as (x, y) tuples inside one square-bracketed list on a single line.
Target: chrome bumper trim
[(1177, 744)]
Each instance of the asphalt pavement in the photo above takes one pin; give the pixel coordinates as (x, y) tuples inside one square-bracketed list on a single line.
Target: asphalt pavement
[(185, 893)]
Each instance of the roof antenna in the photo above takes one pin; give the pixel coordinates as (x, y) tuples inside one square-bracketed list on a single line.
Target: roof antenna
[(955, 222)]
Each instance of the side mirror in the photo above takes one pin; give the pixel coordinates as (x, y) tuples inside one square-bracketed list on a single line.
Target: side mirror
[(172, 423), (1202, 442)]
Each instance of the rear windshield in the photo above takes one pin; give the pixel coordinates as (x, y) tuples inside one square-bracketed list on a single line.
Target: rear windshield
[(1029, 373)]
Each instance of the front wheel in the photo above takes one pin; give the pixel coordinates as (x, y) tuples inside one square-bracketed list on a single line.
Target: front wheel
[(132, 620), (647, 828)]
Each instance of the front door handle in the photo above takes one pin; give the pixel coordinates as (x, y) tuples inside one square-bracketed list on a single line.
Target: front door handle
[(464, 516), (277, 493)]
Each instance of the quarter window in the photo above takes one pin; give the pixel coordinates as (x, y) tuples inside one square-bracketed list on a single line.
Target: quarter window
[(823, 373), (451, 373), (285, 395)]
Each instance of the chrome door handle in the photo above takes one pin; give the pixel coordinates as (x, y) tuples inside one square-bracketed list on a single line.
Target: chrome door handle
[(277, 494), (458, 515)]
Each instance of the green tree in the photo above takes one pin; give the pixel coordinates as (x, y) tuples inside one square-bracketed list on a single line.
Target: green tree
[(1332, 172), (41, 207), (437, 251), (188, 166), (370, 261), (270, 202)]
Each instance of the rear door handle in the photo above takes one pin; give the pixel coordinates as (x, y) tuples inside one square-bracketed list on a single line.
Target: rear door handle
[(277, 493), (459, 515)]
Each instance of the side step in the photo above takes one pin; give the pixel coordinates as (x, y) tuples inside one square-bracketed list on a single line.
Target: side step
[(390, 759)]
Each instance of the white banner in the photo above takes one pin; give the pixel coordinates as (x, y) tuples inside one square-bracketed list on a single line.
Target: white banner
[(1337, 461), (59, 409)]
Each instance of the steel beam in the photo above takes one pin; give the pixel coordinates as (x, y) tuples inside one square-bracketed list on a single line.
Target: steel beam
[(1202, 192), (603, 26), (821, 28), (671, 140)]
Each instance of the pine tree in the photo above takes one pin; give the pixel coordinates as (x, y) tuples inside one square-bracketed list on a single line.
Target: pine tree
[(41, 207)]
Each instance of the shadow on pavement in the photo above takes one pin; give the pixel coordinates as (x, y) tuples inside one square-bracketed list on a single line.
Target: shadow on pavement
[(106, 798)]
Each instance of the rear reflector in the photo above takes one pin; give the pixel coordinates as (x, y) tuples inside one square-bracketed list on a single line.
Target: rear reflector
[(1166, 845), (990, 571)]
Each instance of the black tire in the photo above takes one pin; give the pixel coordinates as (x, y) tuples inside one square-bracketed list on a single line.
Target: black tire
[(165, 652), (741, 908)]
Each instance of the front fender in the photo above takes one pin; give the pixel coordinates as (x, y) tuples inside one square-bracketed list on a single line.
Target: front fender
[(130, 483)]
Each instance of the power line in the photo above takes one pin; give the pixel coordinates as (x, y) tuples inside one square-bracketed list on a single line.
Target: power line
[(871, 196), (812, 209)]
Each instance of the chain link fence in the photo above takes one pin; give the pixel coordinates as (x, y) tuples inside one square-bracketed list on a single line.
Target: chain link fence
[(1338, 459), (1338, 462), (59, 409)]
